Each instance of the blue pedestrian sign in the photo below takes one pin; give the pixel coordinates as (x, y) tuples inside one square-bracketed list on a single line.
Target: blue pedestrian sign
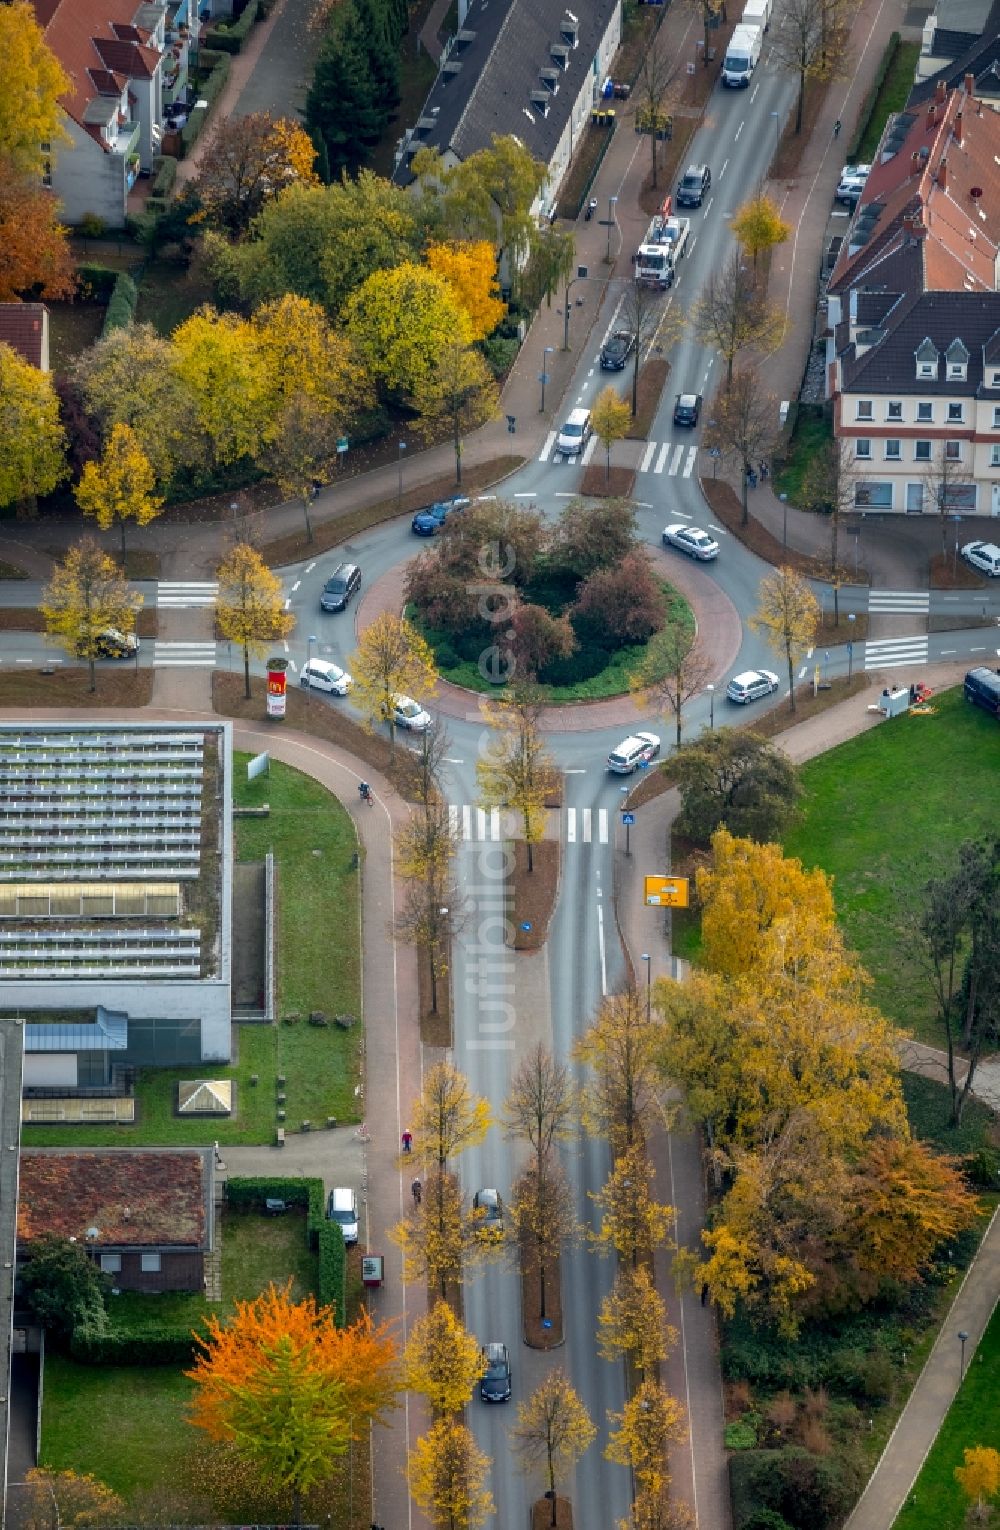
[(628, 818), (526, 926)]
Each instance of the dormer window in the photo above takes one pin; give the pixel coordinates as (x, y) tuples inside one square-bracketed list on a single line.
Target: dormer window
[(957, 358), (926, 369), (996, 380), (540, 102), (560, 55), (569, 29), (550, 80), (927, 359)]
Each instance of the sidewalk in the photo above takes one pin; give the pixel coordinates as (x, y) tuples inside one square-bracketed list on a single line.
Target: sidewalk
[(699, 1470)]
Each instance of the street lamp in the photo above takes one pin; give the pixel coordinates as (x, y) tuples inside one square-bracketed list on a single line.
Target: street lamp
[(711, 706), (649, 970), (777, 131), (548, 351), (234, 506), (784, 519), (612, 204), (962, 1337), (850, 648), (581, 276), (399, 492)]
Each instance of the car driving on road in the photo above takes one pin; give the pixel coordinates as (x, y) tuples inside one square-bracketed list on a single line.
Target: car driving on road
[(487, 1207), (751, 685), (112, 644), (691, 540), (495, 1385), (693, 186), (321, 675), (632, 752), (687, 409), (432, 517), (409, 714), (985, 556), (616, 350)]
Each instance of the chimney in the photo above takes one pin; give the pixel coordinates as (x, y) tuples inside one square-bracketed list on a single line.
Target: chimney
[(915, 162), (958, 128), (942, 175), (919, 229), (970, 84), (931, 116), (941, 92)]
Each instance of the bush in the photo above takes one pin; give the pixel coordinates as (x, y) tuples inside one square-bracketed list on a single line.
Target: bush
[(371, 425), (588, 660), (166, 174), (982, 1169), (741, 1434), (765, 1519), (807, 1492), (869, 1375), (95, 283), (212, 88), (500, 352), (92, 226), (153, 1346), (230, 39), (445, 655), (868, 105), (121, 308), (332, 1281), (192, 128)]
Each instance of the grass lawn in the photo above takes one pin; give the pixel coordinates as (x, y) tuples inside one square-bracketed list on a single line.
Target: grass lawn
[(72, 328), (937, 1501), (319, 960), (885, 812), (812, 430), (891, 97), (169, 293), (90, 1424)]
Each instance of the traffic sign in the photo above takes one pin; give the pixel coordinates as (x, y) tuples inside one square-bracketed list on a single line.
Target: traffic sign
[(342, 444), (543, 377), (666, 892), (628, 818)]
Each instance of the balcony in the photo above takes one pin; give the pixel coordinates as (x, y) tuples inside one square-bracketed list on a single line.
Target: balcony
[(175, 78), (127, 142)]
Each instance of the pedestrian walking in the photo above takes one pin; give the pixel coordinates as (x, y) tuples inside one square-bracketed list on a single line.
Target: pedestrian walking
[(704, 1295), (836, 128), (417, 1191), (407, 1141), (763, 470)]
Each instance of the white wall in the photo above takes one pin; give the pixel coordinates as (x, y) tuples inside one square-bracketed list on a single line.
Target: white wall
[(88, 180), (50, 1070)]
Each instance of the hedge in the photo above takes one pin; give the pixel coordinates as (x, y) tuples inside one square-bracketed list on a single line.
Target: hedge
[(868, 105), (231, 40), (96, 282), (166, 174), (153, 1346), (251, 1192), (332, 1281), (209, 90), (121, 308)]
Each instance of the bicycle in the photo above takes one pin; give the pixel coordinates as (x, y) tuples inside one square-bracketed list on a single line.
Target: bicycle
[(366, 794), (417, 1190)]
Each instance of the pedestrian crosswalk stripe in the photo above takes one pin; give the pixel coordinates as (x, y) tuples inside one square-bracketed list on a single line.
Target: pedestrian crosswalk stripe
[(647, 456), (661, 459), (692, 457), (468, 822), (184, 655), (895, 653), (583, 819), (182, 593), (550, 441), (676, 461), (901, 601), (588, 451)]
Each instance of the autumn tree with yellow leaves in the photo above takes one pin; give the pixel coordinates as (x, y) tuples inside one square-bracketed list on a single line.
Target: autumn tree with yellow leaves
[(622, 1095), (650, 1421), (253, 159), (32, 439), (437, 1235), (759, 226), (460, 394), (448, 1476), (250, 606), (633, 1223), (391, 659), (288, 1389), (633, 1321), (515, 770), (121, 486), (34, 81), (448, 1117), (226, 377), (130, 377), (425, 850), (470, 269), (979, 1478), (402, 322), (87, 594), (553, 1429), (67, 1500), (788, 617), (443, 1361)]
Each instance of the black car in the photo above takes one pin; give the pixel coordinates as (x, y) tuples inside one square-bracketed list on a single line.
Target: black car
[(692, 188), (495, 1385), (616, 350), (687, 409), (340, 588)]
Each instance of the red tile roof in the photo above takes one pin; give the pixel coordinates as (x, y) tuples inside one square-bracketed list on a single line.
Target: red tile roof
[(88, 34), (147, 1199), (22, 326)]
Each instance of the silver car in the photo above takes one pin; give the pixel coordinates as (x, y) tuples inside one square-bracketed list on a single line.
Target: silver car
[(691, 540), (752, 685)]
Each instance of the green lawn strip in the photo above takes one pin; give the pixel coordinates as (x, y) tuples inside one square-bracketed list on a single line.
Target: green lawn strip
[(812, 430), (891, 98), (319, 959), (937, 1502), (928, 1105), (885, 812)]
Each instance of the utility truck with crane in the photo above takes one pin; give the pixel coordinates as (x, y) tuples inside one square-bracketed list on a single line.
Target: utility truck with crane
[(664, 244)]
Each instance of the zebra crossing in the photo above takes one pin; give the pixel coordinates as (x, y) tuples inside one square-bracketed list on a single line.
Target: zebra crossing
[(179, 594), (895, 653), (483, 825), (674, 458), (184, 655), (900, 602)]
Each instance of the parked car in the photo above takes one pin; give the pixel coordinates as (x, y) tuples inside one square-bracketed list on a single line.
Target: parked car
[(495, 1385), (616, 350), (340, 588), (342, 1208), (693, 186), (323, 676), (632, 752), (488, 1208), (432, 517), (985, 556), (852, 183), (982, 688), (691, 540), (409, 714), (687, 409), (751, 685), (112, 644)]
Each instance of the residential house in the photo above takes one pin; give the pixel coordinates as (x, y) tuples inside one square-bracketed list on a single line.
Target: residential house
[(913, 347), (25, 328), (953, 30), (530, 69), (127, 62), (145, 1217)]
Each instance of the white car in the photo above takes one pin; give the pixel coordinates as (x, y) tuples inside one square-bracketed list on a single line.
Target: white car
[(752, 685), (691, 540), (632, 752), (983, 555), (852, 183), (408, 713), (323, 676)]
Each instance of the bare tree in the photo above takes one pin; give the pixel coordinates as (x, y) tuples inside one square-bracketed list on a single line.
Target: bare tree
[(675, 667), (656, 73), (540, 1103), (647, 320), (830, 486), (733, 314), (744, 426), (800, 45), (941, 483)]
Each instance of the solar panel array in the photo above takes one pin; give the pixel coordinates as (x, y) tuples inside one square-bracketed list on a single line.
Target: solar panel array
[(76, 806)]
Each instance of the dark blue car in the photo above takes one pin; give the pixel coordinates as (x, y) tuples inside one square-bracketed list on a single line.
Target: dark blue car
[(430, 520)]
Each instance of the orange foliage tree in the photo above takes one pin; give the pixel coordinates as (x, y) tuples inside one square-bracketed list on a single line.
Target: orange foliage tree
[(288, 1389), (34, 249)]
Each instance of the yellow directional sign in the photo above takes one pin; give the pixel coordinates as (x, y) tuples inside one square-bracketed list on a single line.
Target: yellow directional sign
[(666, 892)]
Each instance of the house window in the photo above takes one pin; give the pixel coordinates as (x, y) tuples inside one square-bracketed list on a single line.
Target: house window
[(862, 448), (996, 380), (926, 369), (864, 409), (921, 451), (914, 498), (925, 411), (111, 1264), (46, 172), (149, 1264), (953, 451), (894, 410), (873, 496), (892, 451), (956, 369), (995, 454), (956, 413)]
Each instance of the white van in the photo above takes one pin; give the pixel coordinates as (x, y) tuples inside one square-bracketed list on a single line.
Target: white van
[(741, 57), (342, 1208), (575, 433), (757, 13)]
